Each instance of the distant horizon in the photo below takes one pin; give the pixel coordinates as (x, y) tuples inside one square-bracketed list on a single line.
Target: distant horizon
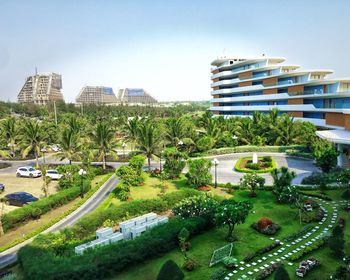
[(165, 48)]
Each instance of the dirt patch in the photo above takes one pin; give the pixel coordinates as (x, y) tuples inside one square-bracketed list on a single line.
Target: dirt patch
[(29, 185)]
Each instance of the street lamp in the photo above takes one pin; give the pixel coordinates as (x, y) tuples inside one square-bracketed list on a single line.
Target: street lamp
[(43, 150), (216, 163), (234, 137), (160, 161), (123, 146), (180, 143), (82, 172)]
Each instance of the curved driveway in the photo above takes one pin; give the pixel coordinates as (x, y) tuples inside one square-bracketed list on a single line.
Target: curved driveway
[(226, 172)]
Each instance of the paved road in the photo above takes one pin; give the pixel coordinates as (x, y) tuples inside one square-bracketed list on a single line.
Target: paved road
[(226, 172), (10, 256)]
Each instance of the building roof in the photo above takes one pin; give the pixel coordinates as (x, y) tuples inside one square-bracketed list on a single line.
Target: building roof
[(336, 136)]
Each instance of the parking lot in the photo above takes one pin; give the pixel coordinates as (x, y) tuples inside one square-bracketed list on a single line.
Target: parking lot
[(29, 185)]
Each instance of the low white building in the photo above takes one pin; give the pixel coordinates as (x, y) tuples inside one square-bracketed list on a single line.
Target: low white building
[(127, 230)]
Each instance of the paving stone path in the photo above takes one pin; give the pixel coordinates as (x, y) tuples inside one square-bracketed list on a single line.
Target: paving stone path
[(282, 253)]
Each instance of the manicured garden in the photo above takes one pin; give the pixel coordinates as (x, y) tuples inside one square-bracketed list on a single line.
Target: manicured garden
[(264, 164)]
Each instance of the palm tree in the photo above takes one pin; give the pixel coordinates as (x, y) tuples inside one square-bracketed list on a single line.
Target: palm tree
[(149, 139), (103, 140), (9, 132), (245, 130), (286, 131), (33, 138), (175, 131), (69, 144), (130, 130)]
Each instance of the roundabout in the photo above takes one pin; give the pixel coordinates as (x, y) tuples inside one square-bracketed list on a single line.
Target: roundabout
[(255, 164)]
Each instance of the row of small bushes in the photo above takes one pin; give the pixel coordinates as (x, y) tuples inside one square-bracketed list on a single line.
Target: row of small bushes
[(298, 234), (250, 148), (317, 244), (84, 230), (299, 153), (34, 210), (261, 251), (337, 176), (315, 194), (105, 261)]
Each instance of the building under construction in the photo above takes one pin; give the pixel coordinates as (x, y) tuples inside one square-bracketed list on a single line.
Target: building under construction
[(41, 89), (135, 96), (96, 95)]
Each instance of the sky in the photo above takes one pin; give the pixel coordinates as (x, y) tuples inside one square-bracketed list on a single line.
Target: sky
[(165, 47)]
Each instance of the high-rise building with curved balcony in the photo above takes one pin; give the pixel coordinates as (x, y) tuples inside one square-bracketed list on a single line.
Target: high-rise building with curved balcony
[(241, 86)]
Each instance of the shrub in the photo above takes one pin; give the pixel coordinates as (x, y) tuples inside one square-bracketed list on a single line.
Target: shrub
[(137, 162), (128, 176), (346, 195), (170, 271), (174, 162), (325, 155), (218, 274), (189, 265), (106, 261), (268, 230), (281, 274), (229, 262), (264, 223), (199, 172), (122, 191), (260, 167), (314, 194)]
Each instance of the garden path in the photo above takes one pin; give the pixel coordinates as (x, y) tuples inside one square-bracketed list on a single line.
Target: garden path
[(283, 252)]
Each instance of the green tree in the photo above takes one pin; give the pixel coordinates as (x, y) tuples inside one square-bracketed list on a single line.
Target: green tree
[(131, 129), (103, 141), (33, 137), (175, 130), (252, 181), (199, 172), (285, 131), (174, 162), (149, 138), (128, 175), (230, 213), (183, 237), (170, 271), (9, 132), (282, 179), (137, 163), (281, 274), (325, 155), (70, 145)]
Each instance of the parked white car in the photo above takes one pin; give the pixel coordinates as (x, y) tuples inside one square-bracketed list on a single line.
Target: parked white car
[(53, 174), (55, 148), (28, 171)]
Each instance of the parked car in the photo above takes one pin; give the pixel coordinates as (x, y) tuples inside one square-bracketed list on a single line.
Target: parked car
[(2, 188), (20, 198), (28, 171), (306, 266), (53, 174), (55, 148)]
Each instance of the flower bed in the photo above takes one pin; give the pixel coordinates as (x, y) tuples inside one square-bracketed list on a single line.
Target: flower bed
[(268, 271), (265, 164), (266, 226)]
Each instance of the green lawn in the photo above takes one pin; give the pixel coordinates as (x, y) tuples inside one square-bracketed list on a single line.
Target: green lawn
[(204, 245)]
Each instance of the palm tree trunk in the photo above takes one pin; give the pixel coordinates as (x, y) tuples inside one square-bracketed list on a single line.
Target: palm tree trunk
[(37, 159), (104, 162), (149, 163)]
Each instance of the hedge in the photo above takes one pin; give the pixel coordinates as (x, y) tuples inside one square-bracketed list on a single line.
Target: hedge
[(39, 263), (246, 170), (250, 148), (84, 229), (318, 195)]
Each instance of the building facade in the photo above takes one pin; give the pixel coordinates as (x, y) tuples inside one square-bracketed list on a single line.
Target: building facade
[(241, 86), (96, 95), (135, 96), (41, 89)]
